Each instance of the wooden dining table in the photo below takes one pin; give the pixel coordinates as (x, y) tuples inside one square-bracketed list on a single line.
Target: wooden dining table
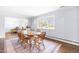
[(31, 32), (33, 37)]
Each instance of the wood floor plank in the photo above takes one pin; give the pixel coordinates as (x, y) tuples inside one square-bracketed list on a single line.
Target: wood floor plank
[(1, 45)]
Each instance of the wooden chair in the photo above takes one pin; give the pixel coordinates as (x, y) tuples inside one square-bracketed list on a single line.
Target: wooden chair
[(19, 36), (39, 40), (32, 40), (23, 39)]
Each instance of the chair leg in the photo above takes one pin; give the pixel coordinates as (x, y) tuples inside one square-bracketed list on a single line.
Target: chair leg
[(38, 50), (23, 44), (30, 48), (43, 45), (26, 45), (18, 41)]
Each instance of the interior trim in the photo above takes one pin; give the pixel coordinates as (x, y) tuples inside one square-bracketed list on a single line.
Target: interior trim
[(63, 40)]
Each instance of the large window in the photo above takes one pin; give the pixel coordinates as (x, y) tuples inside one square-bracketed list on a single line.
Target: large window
[(45, 22), (12, 22)]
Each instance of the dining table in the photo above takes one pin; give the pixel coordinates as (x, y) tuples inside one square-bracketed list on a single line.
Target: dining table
[(33, 37), (31, 32)]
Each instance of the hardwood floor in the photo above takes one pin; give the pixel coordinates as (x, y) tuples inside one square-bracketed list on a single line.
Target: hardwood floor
[(1, 45), (60, 47), (66, 48)]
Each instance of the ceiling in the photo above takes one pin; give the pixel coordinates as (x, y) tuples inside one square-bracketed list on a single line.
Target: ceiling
[(26, 11)]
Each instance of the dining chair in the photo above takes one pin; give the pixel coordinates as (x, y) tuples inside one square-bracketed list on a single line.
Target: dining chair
[(32, 40), (24, 41), (39, 40), (19, 37)]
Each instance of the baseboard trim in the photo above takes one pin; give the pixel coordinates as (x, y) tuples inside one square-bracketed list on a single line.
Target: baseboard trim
[(63, 40)]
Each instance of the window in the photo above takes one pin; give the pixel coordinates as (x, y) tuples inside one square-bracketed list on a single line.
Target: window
[(12, 22), (45, 22)]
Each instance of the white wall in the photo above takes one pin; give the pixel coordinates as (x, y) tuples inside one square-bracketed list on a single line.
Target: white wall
[(30, 21), (66, 22), (59, 24), (71, 23), (2, 31), (78, 21)]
